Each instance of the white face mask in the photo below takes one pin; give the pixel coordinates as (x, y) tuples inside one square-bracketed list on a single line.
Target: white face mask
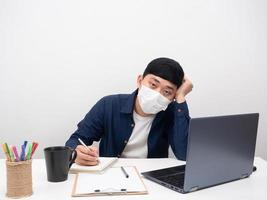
[(151, 101)]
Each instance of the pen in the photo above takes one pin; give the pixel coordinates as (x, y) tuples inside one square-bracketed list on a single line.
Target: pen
[(124, 172), (24, 150), (83, 144), (15, 153), (35, 145), (22, 154), (11, 153), (86, 147), (6, 152), (29, 152), (25, 144)]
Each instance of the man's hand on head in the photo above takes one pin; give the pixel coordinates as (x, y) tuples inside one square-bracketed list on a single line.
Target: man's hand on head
[(183, 90)]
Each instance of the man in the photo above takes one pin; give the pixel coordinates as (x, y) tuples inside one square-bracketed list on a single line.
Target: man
[(142, 124)]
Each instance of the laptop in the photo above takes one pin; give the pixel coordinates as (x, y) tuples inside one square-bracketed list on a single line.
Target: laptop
[(220, 149)]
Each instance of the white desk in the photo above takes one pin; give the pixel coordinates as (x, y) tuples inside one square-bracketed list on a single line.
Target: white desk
[(252, 188)]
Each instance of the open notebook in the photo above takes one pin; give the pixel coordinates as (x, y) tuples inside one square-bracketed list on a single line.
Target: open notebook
[(112, 182), (104, 162)]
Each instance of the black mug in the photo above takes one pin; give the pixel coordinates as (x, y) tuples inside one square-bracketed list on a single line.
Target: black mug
[(58, 161)]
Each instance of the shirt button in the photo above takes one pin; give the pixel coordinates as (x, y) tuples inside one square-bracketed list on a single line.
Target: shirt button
[(125, 141), (179, 110), (132, 125)]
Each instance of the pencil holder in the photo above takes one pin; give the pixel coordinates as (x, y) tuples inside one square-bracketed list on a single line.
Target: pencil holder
[(19, 179)]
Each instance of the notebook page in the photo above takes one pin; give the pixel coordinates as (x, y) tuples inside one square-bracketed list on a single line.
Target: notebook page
[(104, 162)]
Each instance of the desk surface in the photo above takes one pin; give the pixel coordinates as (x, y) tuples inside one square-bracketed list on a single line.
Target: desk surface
[(254, 187)]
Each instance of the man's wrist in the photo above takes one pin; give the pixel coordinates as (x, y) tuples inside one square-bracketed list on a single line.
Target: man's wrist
[(180, 98)]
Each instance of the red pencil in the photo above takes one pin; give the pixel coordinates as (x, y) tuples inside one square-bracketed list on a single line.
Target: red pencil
[(34, 147)]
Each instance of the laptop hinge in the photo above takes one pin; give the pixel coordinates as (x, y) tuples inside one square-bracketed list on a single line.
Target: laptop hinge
[(193, 189)]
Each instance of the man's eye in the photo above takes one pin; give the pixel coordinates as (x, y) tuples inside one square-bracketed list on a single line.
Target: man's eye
[(167, 93), (153, 84)]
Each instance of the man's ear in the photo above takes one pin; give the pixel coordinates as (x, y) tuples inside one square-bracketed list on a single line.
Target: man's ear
[(139, 81)]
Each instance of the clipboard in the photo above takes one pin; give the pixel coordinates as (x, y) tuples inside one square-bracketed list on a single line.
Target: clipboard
[(112, 182)]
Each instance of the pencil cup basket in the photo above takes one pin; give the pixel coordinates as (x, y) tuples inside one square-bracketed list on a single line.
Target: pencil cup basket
[(19, 179)]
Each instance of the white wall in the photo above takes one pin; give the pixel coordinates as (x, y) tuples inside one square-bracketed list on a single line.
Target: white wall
[(58, 57)]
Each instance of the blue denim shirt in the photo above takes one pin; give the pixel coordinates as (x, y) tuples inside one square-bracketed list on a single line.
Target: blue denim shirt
[(111, 121)]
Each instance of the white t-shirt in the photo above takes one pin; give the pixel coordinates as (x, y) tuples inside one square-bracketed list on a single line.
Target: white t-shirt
[(137, 144)]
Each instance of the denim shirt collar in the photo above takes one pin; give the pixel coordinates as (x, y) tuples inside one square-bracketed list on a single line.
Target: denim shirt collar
[(128, 105)]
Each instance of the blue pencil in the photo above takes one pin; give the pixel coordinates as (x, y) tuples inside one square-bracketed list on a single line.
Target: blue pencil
[(22, 154)]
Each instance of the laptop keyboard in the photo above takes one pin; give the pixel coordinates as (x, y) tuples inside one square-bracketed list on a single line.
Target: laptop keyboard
[(173, 179)]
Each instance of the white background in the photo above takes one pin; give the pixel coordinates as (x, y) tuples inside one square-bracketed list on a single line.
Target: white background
[(58, 57)]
